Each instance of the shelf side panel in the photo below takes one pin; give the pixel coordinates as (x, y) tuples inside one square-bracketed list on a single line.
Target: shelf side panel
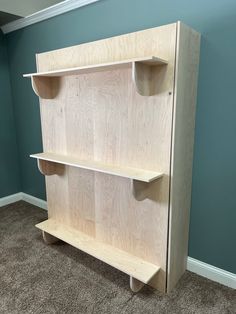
[(188, 46)]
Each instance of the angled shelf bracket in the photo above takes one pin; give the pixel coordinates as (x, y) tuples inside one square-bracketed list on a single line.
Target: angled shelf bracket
[(46, 85)]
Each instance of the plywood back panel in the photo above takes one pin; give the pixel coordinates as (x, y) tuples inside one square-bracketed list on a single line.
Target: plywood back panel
[(147, 42), (100, 116)]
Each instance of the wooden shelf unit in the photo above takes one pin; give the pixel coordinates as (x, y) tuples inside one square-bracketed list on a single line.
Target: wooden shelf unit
[(47, 84), (106, 147), (127, 263)]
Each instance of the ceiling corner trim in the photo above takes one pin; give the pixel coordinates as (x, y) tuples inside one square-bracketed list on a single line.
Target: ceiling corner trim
[(45, 14)]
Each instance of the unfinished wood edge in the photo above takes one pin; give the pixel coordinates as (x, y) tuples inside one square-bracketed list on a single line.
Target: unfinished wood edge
[(49, 168), (135, 284), (45, 87), (48, 238)]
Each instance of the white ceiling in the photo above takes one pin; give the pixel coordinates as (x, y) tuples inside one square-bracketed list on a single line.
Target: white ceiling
[(25, 7)]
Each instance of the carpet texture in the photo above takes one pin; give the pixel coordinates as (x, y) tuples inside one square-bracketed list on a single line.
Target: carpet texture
[(36, 278)]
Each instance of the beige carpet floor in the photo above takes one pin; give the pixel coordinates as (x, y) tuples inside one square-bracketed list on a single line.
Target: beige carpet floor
[(36, 278)]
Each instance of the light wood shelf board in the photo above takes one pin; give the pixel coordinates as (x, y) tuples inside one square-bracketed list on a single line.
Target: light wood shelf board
[(125, 262), (126, 172), (150, 60)]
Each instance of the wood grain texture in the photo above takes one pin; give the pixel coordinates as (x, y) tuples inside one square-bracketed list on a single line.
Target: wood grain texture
[(100, 117), (119, 259), (188, 48)]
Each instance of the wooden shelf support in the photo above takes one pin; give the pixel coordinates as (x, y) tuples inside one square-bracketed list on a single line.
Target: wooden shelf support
[(147, 78), (46, 87), (140, 190), (49, 168)]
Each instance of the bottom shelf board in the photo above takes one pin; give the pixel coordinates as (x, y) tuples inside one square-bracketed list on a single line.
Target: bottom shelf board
[(123, 261)]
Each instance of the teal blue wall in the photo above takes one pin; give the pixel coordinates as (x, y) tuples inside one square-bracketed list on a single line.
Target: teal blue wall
[(9, 170), (213, 212)]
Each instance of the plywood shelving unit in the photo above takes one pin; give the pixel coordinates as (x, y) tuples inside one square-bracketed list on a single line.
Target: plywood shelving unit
[(118, 126)]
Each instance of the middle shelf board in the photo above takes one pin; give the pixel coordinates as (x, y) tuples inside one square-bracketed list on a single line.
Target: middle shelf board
[(123, 261), (121, 171), (150, 60)]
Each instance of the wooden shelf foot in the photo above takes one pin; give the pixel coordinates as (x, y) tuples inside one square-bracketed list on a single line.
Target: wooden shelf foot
[(48, 238), (135, 284)]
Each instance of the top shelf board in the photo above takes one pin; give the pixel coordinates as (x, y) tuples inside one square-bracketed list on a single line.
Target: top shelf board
[(151, 61)]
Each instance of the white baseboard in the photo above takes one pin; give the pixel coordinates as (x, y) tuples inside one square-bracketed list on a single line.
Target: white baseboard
[(23, 197), (205, 270), (34, 200), (10, 199), (211, 272)]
